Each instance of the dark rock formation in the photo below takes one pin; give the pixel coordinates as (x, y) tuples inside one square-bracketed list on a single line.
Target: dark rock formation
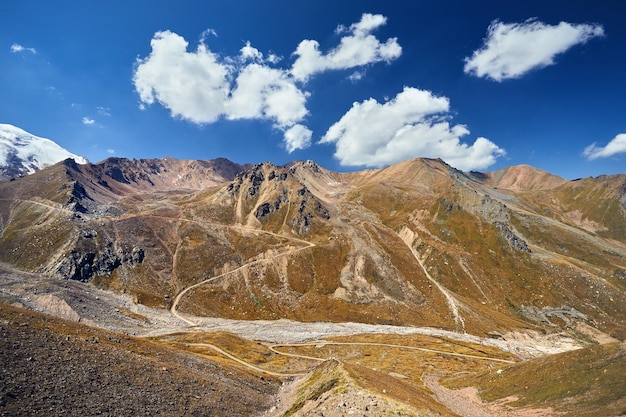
[(263, 210), (515, 241), (88, 261), (78, 200), (308, 209)]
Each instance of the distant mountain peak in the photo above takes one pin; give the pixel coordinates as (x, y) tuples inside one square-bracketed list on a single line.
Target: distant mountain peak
[(22, 153), (522, 178)]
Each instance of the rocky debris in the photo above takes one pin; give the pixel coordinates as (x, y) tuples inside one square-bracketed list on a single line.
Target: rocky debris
[(254, 177), (84, 263), (78, 199), (515, 241), (54, 367), (619, 274), (489, 209), (544, 314), (263, 210), (309, 164), (493, 209), (330, 391), (260, 176), (302, 222)]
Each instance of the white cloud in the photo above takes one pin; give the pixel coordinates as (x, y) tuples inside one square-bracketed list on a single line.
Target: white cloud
[(207, 33), (88, 122), (512, 49), (202, 87), (614, 147), (250, 53), (16, 48), (356, 76), (110, 151), (192, 85), (262, 92), (274, 59), (359, 48), (413, 124), (105, 111), (297, 137)]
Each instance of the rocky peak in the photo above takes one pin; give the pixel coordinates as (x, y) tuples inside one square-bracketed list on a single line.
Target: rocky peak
[(273, 188)]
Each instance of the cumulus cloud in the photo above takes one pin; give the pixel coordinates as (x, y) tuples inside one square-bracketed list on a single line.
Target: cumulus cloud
[(249, 52), (263, 92), (510, 50), (614, 147), (297, 137), (358, 48), (192, 85), (17, 48), (203, 87), (88, 122), (412, 124)]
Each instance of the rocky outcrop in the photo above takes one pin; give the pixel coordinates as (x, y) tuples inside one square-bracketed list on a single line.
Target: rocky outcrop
[(265, 209), (254, 177), (515, 241), (565, 313), (308, 209), (276, 186), (84, 263), (78, 199), (487, 208)]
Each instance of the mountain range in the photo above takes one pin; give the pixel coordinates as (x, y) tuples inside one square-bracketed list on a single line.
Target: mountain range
[(515, 254)]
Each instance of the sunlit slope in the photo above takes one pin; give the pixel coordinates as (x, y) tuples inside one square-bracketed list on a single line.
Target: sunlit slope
[(416, 243), (585, 382)]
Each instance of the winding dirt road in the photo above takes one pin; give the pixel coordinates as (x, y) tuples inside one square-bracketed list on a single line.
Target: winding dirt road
[(246, 364), (181, 294), (322, 343), (389, 345)]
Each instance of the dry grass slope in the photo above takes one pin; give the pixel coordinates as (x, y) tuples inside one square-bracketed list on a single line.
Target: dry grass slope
[(586, 382)]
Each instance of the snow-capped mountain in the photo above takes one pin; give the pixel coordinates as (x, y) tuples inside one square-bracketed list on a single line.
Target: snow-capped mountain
[(22, 153)]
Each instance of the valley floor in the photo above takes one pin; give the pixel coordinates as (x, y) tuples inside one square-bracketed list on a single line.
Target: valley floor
[(383, 369)]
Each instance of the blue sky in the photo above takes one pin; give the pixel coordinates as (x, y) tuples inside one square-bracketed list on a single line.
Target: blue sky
[(349, 84)]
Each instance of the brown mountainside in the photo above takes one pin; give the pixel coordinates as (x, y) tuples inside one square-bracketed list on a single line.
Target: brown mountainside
[(521, 178), (417, 243)]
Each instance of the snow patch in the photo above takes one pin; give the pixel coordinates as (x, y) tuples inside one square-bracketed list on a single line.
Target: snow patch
[(29, 152)]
